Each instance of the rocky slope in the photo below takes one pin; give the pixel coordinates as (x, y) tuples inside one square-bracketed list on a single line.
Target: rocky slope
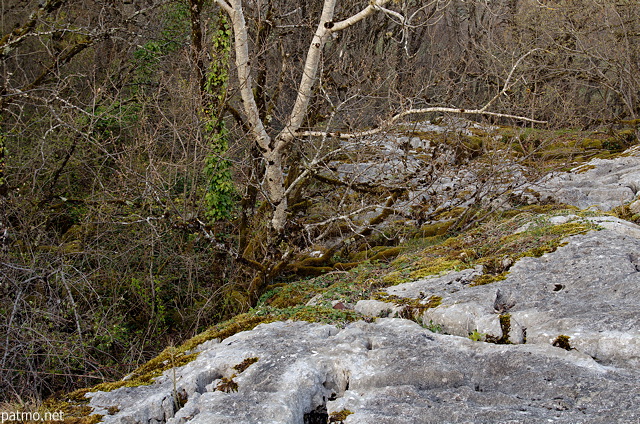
[(553, 338)]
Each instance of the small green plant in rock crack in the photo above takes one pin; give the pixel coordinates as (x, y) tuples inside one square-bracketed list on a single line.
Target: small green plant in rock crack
[(476, 336), (434, 328)]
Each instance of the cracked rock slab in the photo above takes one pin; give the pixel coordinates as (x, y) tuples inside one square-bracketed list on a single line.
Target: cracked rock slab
[(390, 371), (588, 290), (609, 183)]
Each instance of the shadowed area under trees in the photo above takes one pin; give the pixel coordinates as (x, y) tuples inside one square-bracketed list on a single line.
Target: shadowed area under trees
[(155, 181)]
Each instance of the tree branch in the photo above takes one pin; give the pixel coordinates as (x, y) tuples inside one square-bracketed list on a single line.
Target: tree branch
[(15, 37), (243, 64), (346, 23), (325, 28), (395, 118)]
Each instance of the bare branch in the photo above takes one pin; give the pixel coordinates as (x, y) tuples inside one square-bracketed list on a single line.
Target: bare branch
[(244, 71), (346, 23), (507, 82), (395, 118), (11, 40)]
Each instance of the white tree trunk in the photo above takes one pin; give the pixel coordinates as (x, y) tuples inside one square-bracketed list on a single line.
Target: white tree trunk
[(272, 149)]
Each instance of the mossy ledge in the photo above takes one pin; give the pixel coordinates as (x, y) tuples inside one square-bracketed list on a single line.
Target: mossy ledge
[(75, 406), (526, 231)]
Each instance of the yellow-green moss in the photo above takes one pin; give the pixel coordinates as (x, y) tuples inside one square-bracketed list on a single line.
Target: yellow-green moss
[(395, 278), (589, 144), (449, 215), (488, 279), (432, 266), (583, 168), (494, 245), (72, 412), (286, 295), (340, 416), (432, 230), (623, 212), (387, 254), (319, 314)]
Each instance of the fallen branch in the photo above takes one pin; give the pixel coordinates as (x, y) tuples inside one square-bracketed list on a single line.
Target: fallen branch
[(395, 118)]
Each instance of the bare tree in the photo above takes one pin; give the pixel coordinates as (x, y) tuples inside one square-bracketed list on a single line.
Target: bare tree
[(274, 146)]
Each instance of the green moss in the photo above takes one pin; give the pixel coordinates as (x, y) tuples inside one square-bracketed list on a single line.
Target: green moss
[(623, 212), (488, 279), (394, 278), (633, 123), (286, 295), (476, 336), (449, 216), (589, 144), (319, 314), (505, 327), (74, 412), (474, 143), (583, 168), (387, 254), (432, 266), (432, 230), (494, 245), (340, 416), (243, 322), (176, 357)]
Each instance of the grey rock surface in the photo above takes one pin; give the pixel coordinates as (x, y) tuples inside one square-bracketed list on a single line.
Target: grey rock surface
[(390, 371), (573, 325), (601, 184), (588, 290)]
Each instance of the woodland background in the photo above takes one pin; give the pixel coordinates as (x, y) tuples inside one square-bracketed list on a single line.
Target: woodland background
[(133, 212)]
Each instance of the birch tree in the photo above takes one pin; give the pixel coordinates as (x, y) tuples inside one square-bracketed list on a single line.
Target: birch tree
[(274, 145)]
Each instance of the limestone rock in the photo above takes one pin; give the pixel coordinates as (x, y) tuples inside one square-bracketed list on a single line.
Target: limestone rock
[(377, 308), (390, 371), (588, 290), (604, 184)]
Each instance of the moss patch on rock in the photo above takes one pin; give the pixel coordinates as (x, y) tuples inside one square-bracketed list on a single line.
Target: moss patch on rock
[(496, 244)]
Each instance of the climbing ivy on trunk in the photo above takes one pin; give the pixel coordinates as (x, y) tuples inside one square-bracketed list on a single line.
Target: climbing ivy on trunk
[(221, 194)]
